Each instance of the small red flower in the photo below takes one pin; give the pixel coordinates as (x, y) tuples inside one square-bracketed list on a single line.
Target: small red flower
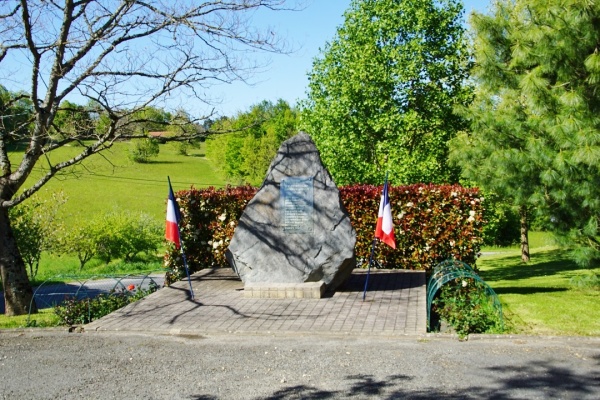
[(131, 287)]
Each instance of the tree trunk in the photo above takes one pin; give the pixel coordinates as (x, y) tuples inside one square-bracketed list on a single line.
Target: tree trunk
[(524, 234), (18, 294)]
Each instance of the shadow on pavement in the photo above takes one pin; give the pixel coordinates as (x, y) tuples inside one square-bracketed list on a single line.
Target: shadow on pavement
[(535, 380)]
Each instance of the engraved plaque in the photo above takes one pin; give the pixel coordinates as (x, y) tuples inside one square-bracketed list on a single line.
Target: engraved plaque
[(297, 202)]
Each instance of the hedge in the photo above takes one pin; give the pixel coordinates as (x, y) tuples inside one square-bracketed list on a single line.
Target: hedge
[(431, 223)]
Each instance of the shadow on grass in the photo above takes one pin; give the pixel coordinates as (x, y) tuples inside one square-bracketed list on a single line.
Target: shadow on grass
[(512, 268), (150, 162), (527, 290)]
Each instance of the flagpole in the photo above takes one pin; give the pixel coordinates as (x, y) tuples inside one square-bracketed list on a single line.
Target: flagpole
[(371, 258), (369, 269), (187, 271), (185, 264)]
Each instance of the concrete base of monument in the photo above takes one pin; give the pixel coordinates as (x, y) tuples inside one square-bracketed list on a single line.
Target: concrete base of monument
[(267, 290)]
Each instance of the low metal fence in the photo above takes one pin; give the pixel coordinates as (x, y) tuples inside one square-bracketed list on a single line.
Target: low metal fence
[(59, 288), (449, 270)]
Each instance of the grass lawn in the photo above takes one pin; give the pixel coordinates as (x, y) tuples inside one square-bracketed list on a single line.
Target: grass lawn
[(111, 181), (550, 295), (53, 266), (44, 318)]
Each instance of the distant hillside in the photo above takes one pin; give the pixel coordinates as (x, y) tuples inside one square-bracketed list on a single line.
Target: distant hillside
[(113, 182)]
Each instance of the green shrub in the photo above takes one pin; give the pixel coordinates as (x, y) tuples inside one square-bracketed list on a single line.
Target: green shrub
[(125, 234), (466, 305), (77, 240), (183, 147), (78, 312), (111, 235), (432, 223), (143, 150), (34, 226), (209, 219)]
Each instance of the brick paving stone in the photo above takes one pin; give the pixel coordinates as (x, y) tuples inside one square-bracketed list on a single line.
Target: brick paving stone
[(395, 304)]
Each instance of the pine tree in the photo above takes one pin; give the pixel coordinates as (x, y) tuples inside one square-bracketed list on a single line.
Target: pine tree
[(535, 123)]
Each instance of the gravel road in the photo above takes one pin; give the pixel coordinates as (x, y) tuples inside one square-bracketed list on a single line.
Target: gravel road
[(54, 364)]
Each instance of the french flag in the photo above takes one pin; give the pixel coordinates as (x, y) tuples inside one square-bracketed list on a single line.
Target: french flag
[(384, 229), (172, 227)]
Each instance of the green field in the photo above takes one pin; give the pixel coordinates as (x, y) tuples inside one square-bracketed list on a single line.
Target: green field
[(111, 181)]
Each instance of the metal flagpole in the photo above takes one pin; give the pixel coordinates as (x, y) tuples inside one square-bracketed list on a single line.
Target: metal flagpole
[(177, 218), (371, 258), (369, 269), (187, 271)]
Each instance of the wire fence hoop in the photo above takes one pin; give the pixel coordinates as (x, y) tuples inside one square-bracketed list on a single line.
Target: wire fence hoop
[(58, 288), (451, 269)]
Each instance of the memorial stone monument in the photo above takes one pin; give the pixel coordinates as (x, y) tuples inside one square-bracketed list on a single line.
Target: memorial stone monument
[(294, 238)]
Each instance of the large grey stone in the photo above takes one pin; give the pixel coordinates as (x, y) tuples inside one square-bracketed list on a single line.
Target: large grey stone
[(295, 229)]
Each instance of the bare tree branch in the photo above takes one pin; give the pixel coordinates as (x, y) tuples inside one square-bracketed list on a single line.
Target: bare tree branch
[(122, 57)]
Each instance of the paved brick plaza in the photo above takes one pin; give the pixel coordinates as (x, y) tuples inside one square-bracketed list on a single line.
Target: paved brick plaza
[(395, 305)]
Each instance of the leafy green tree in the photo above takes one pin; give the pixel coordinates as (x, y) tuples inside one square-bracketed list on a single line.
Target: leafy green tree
[(182, 124), (72, 119), (501, 221), (15, 116), (535, 130), (122, 56), (382, 92), (149, 119), (110, 236), (245, 154), (34, 226), (259, 148), (77, 240), (124, 235)]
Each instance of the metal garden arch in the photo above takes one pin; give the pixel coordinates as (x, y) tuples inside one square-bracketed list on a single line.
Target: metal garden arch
[(449, 270)]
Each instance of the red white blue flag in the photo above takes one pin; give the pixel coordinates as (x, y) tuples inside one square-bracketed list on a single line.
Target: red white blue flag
[(172, 231), (384, 230), (173, 216)]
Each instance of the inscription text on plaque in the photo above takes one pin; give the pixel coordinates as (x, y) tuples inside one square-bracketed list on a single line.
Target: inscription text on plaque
[(297, 198)]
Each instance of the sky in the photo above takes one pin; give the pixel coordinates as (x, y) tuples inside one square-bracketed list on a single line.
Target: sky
[(286, 77)]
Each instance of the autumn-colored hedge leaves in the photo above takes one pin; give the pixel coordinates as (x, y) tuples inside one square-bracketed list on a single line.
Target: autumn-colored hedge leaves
[(431, 223)]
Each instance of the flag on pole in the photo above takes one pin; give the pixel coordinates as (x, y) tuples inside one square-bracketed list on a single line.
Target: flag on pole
[(384, 229), (173, 216), (172, 231)]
